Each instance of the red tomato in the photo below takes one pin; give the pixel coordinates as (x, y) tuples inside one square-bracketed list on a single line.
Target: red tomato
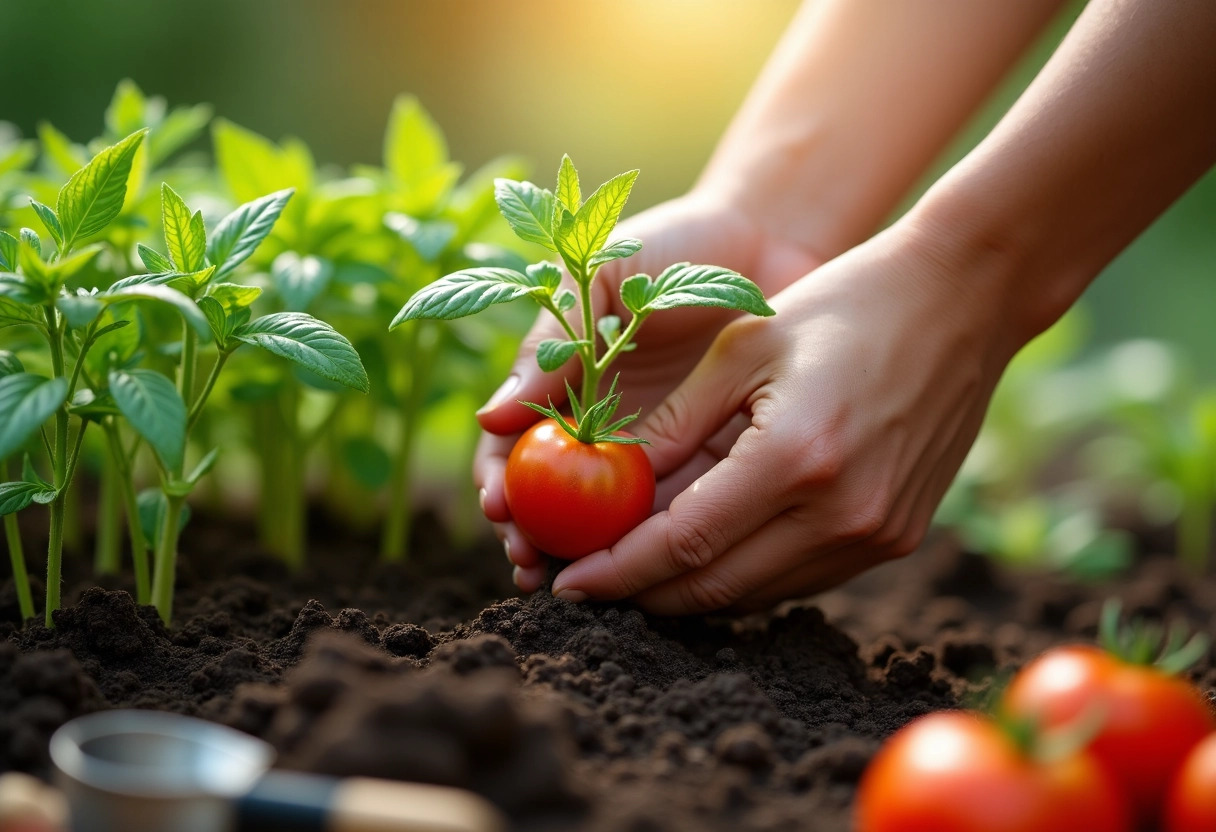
[(572, 498), (959, 772), (1191, 805), (1150, 720)]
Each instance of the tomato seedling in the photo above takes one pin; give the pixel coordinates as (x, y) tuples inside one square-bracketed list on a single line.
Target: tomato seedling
[(1150, 719), (578, 231), (961, 772)]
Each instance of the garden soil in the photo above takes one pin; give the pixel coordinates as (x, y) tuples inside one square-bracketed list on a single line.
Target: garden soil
[(588, 717)]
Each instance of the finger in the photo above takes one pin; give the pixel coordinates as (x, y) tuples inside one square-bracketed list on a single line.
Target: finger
[(516, 547), (721, 508), (713, 451), (826, 570), (529, 578), (489, 467)]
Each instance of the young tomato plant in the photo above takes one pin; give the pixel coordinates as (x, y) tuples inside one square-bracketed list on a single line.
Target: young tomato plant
[(578, 231), (1150, 719), (962, 772)]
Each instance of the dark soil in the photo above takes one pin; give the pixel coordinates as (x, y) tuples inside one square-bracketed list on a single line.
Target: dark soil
[(569, 717)]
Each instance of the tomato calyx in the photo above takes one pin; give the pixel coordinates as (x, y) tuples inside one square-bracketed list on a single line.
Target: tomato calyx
[(594, 424), (1044, 745), (1146, 643)]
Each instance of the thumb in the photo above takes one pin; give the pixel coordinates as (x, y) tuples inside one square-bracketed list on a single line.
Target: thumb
[(716, 389), (503, 414)]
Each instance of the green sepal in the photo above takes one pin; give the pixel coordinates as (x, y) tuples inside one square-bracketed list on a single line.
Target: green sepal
[(1142, 642)]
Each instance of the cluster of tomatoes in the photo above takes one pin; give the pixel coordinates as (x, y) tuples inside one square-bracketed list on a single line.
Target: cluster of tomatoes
[(1085, 740)]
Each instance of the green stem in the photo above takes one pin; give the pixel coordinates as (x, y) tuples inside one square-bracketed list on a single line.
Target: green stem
[(591, 372), (16, 554), (189, 362), (619, 345), (135, 530), (107, 551), (85, 346), (166, 559), (196, 409), (395, 536), (54, 554)]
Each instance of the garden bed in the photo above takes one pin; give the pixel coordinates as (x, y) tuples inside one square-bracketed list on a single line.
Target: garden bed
[(570, 717)]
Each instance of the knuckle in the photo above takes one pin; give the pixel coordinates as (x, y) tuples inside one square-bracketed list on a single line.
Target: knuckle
[(707, 591), (866, 519), (690, 546), (818, 460)]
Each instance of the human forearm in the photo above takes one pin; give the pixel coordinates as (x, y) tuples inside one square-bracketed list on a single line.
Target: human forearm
[(857, 100), (1119, 123)]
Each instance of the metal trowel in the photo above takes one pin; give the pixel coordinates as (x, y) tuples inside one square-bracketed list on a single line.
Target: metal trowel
[(147, 771)]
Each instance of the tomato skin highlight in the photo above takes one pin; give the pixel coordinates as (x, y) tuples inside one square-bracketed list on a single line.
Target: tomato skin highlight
[(571, 498), (1150, 720), (954, 771), (1191, 805)]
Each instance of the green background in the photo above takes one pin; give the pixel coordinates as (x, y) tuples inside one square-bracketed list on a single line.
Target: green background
[(626, 83)]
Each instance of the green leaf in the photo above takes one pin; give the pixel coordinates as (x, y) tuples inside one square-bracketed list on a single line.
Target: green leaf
[(204, 466), (545, 274), (217, 317), (17, 156), (565, 300), (636, 292), (91, 407), (568, 192), (153, 260), (234, 295), (152, 405), (18, 291), (414, 146), (26, 401), (16, 314), (241, 232), (79, 309), (178, 129), (185, 239), (115, 344), (609, 328), (125, 114), (15, 496), (8, 251), (368, 462), (49, 221), (59, 149), (552, 353), (590, 228), (93, 197), (187, 283), (429, 238), (528, 210), (10, 364), (188, 308), (682, 284), (29, 239), (310, 343), (616, 250), (64, 270), (299, 280), (253, 165), (465, 292), (153, 505)]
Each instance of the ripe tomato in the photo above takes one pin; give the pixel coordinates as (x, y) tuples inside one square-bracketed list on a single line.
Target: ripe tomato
[(572, 498), (1150, 720), (1191, 804), (959, 772)]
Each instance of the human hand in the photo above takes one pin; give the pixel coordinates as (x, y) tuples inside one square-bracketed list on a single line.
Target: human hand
[(696, 228), (862, 396)]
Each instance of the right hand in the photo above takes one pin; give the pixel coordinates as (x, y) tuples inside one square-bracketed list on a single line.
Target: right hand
[(696, 228)]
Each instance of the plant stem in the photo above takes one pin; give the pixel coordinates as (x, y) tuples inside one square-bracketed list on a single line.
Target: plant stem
[(395, 536), (166, 559), (107, 552), (196, 409), (189, 362), (135, 531), (54, 554), (591, 372), (16, 554)]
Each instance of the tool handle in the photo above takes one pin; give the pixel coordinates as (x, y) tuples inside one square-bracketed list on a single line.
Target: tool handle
[(294, 802)]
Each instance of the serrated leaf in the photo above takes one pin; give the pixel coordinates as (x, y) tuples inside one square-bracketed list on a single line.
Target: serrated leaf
[(465, 292), (241, 232), (299, 280), (26, 401), (234, 295), (149, 291), (593, 223), (565, 300), (185, 239), (528, 210), (616, 250), (153, 505), (216, 317), (152, 405), (204, 466), (428, 238), (79, 309), (15, 496), (49, 221), (308, 342), (552, 353), (636, 292), (545, 275), (93, 197), (683, 284), (568, 192), (8, 251), (153, 260), (16, 314), (609, 328), (185, 282), (10, 364)]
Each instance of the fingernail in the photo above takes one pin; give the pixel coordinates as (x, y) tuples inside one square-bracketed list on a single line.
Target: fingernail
[(571, 595), (481, 499), (506, 547), (515, 573), (502, 393)]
